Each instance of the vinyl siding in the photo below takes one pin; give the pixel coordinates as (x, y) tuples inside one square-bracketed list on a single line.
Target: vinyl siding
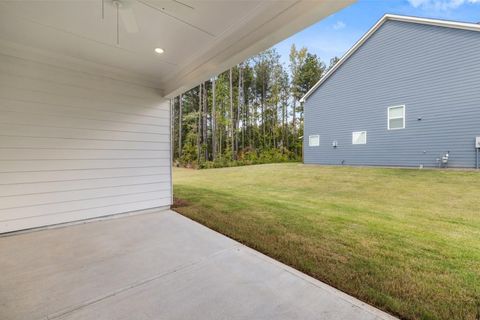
[(76, 145), (433, 71)]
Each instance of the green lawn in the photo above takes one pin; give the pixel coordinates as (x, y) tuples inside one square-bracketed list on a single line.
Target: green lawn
[(404, 240)]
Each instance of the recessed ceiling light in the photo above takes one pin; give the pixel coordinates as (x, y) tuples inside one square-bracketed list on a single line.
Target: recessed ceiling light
[(159, 50)]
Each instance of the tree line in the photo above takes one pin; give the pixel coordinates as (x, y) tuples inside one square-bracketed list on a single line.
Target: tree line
[(248, 114)]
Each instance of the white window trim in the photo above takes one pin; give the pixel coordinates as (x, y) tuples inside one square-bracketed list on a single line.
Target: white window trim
[(402, 117), (353, 141), (311, 136)]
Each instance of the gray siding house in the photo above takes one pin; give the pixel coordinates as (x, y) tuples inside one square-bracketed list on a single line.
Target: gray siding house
[(405, 95)]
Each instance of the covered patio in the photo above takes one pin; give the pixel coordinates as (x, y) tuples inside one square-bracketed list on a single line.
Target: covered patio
[(85, 135), (157, 265), (85, 88)]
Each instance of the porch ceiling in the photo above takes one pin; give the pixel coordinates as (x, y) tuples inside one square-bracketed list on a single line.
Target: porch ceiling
[(200, 38)]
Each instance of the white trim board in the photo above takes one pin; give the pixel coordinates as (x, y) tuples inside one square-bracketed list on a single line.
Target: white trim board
[(385, 18)]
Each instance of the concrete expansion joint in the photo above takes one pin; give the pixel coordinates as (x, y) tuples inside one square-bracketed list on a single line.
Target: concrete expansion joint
[(73, 309)]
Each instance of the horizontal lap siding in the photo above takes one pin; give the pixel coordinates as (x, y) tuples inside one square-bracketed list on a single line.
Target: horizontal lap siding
[(433, 71), (75, 146)]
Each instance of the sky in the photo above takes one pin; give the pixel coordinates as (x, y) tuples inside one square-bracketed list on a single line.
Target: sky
[(334, 35)]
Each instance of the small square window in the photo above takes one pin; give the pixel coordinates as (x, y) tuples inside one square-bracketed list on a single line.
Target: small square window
[(396, 118), (359, 137), (314, 140)]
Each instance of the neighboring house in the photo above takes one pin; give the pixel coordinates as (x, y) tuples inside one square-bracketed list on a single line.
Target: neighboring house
[(405, 95), (84, 95)]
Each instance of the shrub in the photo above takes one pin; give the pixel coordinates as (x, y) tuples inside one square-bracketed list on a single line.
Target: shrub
[(247, 157)]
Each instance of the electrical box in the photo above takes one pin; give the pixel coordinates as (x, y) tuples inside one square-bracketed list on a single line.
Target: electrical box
[(477, 142)]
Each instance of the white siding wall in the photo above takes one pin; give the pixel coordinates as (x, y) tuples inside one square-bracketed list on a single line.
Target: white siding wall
[(75, 145)]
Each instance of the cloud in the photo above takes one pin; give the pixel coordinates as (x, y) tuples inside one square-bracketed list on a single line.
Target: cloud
[(340, 25), (440, 5)]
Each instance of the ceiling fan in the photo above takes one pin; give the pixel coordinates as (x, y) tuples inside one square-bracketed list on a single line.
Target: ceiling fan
[(124, 13)]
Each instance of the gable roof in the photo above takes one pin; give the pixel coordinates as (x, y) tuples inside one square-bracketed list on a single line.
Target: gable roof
[(385, 18)]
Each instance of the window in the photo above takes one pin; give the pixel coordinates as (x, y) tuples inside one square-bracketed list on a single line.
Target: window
[(396, 117), (314, 140), (359, 137)]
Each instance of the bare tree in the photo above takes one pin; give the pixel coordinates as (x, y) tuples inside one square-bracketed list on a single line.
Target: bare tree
[(232, 117), (199, 126), (180, 117), (214, 120), (205, 112), (239, 105)]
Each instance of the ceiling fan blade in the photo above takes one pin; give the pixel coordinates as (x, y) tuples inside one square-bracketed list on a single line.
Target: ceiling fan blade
[(128, 19)]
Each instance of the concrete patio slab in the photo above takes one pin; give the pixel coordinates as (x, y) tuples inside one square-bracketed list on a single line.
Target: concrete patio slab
[(156, 266)]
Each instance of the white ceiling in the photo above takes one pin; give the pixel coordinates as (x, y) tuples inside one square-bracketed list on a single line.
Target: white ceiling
[(199, 37)]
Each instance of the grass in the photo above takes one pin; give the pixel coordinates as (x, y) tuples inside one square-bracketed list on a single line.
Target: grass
[(404, 240)]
